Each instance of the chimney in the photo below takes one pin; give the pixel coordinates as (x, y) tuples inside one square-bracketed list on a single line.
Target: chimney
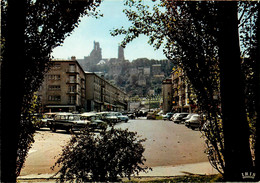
[(73, 58)]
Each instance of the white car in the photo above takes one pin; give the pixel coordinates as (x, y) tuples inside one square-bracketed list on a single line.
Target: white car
[(122, 117), (193, 122), (179, 117)]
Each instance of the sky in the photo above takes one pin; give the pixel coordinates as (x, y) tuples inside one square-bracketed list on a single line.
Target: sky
[(80, 42)]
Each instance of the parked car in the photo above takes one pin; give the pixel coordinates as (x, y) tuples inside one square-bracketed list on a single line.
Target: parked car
[(193, 122), (122, 117), (68, 122), (188, 117), (167, 116), (45, 118), (151, 115), (131, 115), (95, 121), (108, 117), (173, 116), (178, 118)]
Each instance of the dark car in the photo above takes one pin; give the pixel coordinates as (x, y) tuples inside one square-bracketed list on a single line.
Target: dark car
[(131, 115), (68, 122), (95, 121), (151, 115)]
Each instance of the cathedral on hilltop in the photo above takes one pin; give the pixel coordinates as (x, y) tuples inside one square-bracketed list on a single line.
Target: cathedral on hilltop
[(90, 62), (121, 55), (93, 59)]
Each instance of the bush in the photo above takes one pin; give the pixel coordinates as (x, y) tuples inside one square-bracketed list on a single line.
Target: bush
[(103, 157)]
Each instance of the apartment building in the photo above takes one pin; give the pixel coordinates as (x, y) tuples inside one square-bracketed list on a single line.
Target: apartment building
[(101, 95), (63, 88), (181, 92), (67, 88), (167, 92)]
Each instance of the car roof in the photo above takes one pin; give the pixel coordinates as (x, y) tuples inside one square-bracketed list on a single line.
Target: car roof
[(88, 114), (63, 113)]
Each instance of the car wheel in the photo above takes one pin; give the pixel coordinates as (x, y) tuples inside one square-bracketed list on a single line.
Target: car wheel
[(53, 129), (68, 130)]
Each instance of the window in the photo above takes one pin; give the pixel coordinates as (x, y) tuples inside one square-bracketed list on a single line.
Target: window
[(72, 99), (72, 79), (54, 77), (72, 67), (72, 88), (54, 98), (56, 67), (54, 88)]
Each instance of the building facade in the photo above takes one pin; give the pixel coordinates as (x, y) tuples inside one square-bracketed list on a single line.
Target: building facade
[(63, 88), (181, 92), (101, 95), (167, 92), (67, 88)]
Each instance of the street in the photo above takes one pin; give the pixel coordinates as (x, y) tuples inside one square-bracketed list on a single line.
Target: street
[(167, 144)]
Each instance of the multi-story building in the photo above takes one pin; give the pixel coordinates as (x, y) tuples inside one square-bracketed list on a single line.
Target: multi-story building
[(101, 95), (67, 87), (167, 92), (63, 88), (180, 101)]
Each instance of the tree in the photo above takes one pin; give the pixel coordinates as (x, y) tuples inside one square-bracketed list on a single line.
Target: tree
[(235, 127), (195, 36), (43, 25), (100, 158)]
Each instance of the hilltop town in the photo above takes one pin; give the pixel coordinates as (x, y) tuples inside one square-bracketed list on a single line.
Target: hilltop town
[(140, 77)]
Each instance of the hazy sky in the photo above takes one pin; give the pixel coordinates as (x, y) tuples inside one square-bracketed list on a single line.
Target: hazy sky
[(80, 42)]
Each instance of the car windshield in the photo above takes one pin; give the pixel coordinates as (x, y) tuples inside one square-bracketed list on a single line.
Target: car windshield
[(181, 115), (109, 114), (74, 117), (195, 117)]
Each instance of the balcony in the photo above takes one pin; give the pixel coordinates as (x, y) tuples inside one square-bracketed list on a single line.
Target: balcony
[(72, 81), (73, 92), (72, 71)]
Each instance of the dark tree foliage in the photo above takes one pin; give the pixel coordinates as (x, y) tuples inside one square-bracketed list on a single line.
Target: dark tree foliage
[(250, 41), (237, 154), (190, 33), (99, 158), (46, 25)]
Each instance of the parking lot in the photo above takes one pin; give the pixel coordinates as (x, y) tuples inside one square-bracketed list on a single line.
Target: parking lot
[(167, 144)]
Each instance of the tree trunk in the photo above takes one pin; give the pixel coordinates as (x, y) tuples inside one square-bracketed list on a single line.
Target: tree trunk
[(237, 155), (257, 145), (12, 75)]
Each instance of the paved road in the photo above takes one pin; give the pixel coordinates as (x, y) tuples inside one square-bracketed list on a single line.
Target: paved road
[(167, 144)]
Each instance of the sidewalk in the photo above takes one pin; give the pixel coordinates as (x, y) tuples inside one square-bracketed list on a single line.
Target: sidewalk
[(203, 168)]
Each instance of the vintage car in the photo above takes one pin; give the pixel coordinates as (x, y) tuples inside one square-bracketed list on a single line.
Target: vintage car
[(68, 122), (95, 121), (121, 117), (167, 116), (45, 118), (108, 117), (193, 122), (178, 118)]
